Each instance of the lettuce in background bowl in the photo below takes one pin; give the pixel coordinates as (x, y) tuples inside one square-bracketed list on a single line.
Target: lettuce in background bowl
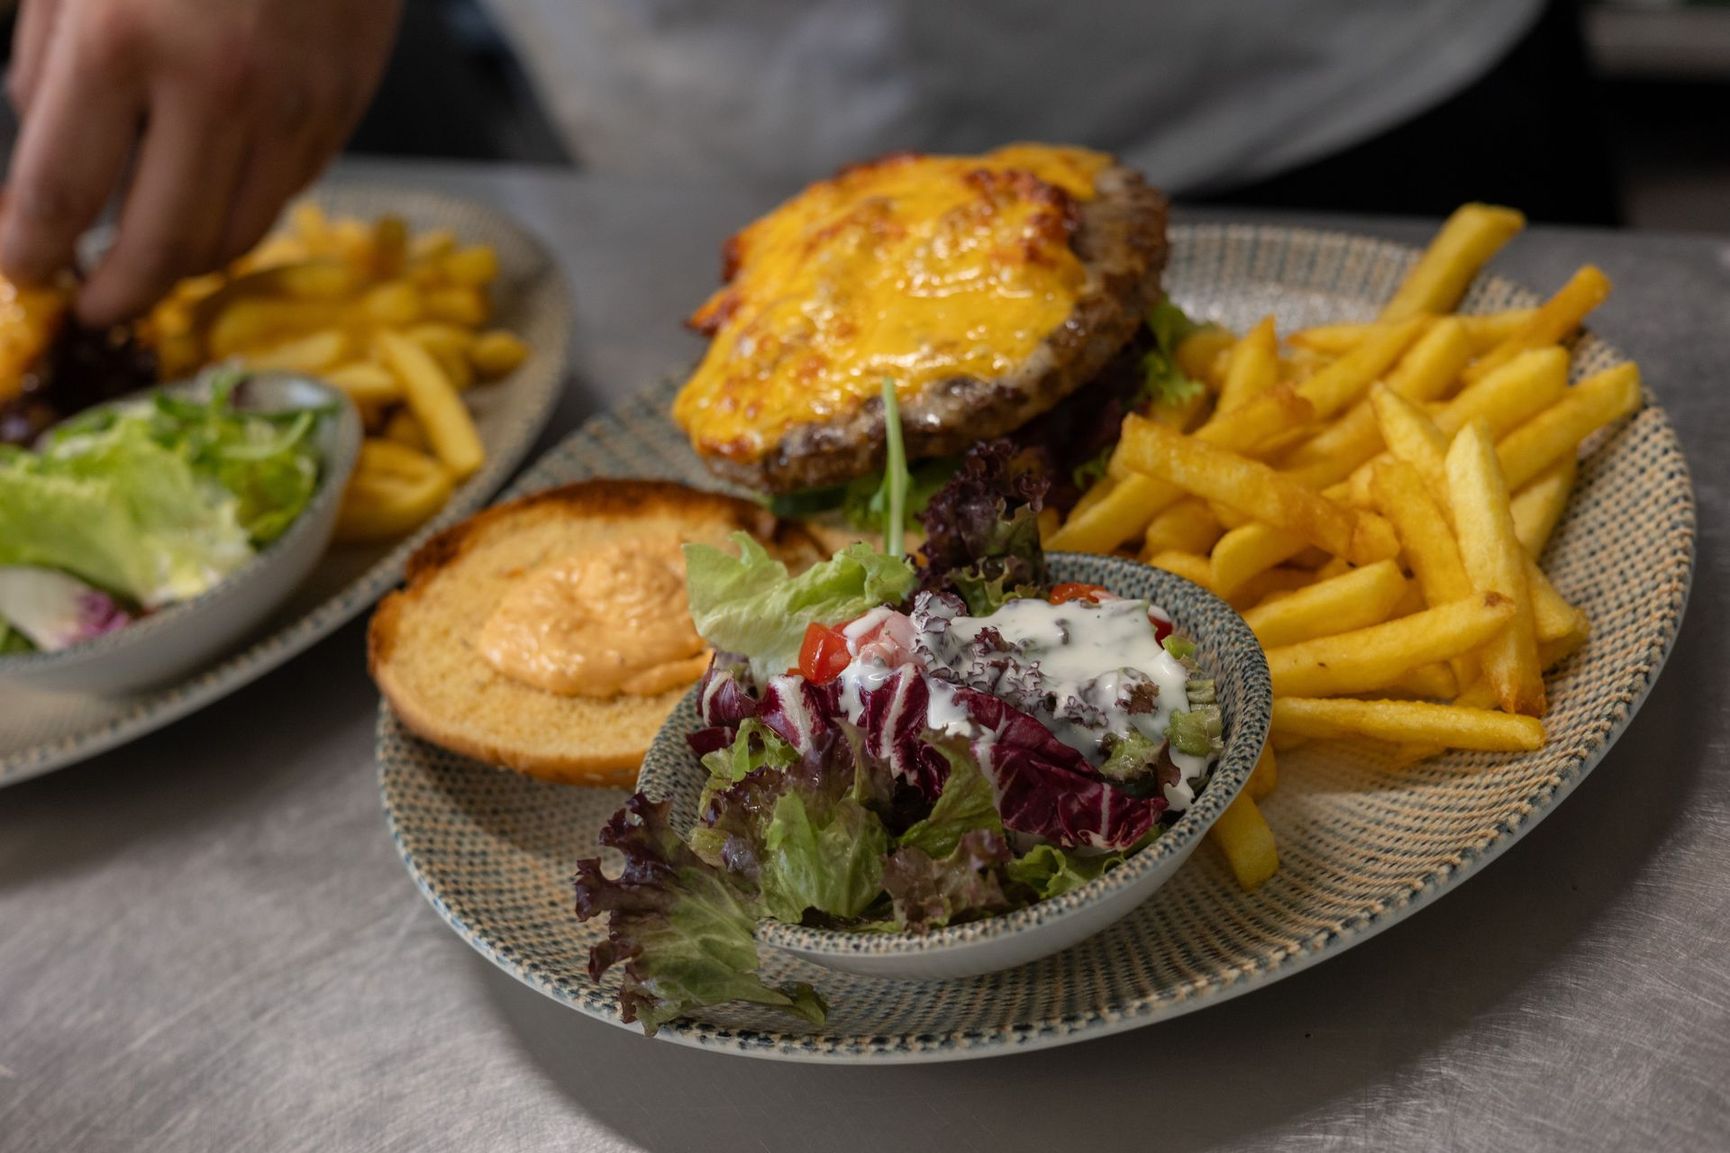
[(206, 572)]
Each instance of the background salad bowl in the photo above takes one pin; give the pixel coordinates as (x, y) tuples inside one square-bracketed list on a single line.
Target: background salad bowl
[(173, 640), (1225, 649)]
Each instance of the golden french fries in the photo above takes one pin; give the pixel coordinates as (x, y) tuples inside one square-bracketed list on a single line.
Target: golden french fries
[(1554, 320), (1557, 432), (1374, 498), (433, 398), (1496, 564), (1253, 367), (1264, 776), (321, 295), (393, 491), (1352, 600), (1450, 726), (1538, 507), (1253, 488), (1371, 658), (1471, 236), (1187, 526), (1243, 836)]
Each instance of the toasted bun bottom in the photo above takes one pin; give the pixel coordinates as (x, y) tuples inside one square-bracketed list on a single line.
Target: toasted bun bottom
[(421, 645)]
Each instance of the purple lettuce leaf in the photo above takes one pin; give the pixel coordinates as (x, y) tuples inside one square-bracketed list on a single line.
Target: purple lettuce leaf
[(982, 528), (1046, 789), (681, 928), (929, 892), (893, 721)]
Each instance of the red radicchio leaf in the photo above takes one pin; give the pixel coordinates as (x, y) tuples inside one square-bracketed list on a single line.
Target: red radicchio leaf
[(1047, 789)]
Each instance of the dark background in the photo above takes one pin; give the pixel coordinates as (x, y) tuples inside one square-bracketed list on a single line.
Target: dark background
[(1609, 113)]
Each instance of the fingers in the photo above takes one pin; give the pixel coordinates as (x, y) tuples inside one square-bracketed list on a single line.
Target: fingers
[(71, 151), (281, 162), (189, 162), (37, 21)]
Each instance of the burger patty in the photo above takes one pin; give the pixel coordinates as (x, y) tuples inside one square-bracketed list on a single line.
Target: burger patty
[(1119, 238)]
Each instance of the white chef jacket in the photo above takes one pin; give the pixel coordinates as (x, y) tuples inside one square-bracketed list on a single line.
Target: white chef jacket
[(769, 94)]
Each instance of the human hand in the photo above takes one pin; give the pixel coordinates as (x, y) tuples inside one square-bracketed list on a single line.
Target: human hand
[(225, 107)]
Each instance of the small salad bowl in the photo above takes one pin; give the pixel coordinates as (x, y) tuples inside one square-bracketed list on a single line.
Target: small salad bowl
[(1225, 647), (178, 639)]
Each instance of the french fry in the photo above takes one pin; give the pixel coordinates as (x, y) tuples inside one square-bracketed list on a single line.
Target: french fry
[(1244, 553), (393, 303), (1425, 538), (457, 305), (1434, 682), (404, 429), (1198, 352), (1126, 509), (1132, 503), (1471, 236), (1185, 564), (1411, 436), (434, 400), (1555, 319), (1335, 387), (1354, 600), (444, 339), (1417, 722), (389, 247), (1553, 653), (1511, 395), (1253, 366), (1557, 432), (1268, 585), (1484, 330), (366, 383), (394, 490), (1426, 541), (1371, 658), (248, 323), (474, 267), (311, 354), (430, 246), (1265, 776), (1497, 566), (1553, 618), (1538, 507), (1428, 370), (1253, 488), (1187, 526), (1242, 834)]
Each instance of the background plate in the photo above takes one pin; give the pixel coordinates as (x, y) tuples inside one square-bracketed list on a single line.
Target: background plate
[(39, 731), (1361, 847)]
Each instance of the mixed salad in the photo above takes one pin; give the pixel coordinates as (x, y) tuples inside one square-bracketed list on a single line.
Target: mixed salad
[(897, 747), (131, 507)]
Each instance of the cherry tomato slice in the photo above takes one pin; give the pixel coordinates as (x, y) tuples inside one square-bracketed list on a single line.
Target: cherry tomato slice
[(1162, 628), (1076, 591), (823, 654)]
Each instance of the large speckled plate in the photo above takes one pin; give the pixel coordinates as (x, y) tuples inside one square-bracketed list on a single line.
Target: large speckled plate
[(1361, 846), (40, 731)]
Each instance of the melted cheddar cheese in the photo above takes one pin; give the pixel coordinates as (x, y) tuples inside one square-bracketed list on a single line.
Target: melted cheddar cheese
[(916, 268)]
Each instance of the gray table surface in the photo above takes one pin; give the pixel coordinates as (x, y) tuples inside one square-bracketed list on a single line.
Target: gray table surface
[(207, 941)]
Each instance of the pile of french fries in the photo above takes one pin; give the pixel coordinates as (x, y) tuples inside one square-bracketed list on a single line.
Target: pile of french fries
[(396, 320), (1375, 498)]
